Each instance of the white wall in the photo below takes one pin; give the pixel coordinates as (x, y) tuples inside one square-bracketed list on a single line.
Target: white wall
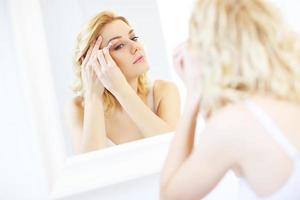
[(21, 165), (21, 170)]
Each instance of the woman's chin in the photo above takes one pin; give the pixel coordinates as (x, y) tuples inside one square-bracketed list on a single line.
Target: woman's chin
[(142, 67)]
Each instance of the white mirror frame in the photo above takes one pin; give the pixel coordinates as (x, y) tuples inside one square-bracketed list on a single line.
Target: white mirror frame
[(71, 175)]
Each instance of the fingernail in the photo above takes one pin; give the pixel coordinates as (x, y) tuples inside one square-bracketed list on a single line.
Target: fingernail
[(109, 45)]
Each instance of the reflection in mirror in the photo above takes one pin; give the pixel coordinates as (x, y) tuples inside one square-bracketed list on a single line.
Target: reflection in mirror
[(119, 93)]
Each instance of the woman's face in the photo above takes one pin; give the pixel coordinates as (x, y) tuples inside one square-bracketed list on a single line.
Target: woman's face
[(127, 52)]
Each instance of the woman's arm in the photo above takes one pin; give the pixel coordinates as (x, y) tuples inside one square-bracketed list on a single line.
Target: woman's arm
[(192, 172), (87, 125), (181, 146), (94, 133), (148, 122), (73, 113)]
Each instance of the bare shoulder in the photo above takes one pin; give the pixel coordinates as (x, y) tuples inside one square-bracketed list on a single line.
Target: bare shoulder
[(227, 116), (228, 120), (225, 132), (163, 87), (74, 107), (164, 83), (165, 92)]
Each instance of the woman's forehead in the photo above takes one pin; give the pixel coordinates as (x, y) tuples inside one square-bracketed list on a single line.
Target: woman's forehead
[(114, 29)]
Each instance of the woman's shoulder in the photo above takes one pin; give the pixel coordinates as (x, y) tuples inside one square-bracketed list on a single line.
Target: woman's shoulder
[(231, 119), (229, 127), (159, 83), (239, 114), (163, 87), (74, 105)]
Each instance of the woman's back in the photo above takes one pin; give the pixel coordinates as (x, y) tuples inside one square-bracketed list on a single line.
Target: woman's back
[(267, 163)]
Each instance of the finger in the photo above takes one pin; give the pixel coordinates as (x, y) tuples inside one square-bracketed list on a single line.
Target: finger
[(111, 43), (179, 48), (99, 73), (93, 58), (187, 57), (88, 54), (177, 54), (178, 64), (179, 67), (107, 55), (95, 67), (186, 53), (84, 74), (83, 54), (182, 44), (97, 45), (104, 52), (101, 59)]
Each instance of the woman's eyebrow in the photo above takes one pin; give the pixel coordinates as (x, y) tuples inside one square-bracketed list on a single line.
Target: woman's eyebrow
[(117, 37)]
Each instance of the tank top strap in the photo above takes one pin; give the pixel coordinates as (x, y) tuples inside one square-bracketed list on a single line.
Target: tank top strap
[(272, 129)]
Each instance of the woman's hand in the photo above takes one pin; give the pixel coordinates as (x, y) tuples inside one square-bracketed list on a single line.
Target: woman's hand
[(91, 83), (188, 69), (109, 73)]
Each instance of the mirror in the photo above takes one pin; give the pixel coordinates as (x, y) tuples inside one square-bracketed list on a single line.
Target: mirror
[(134, 113)]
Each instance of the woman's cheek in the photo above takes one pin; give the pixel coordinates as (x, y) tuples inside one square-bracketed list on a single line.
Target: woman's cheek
[(118, 60), (115, 58)]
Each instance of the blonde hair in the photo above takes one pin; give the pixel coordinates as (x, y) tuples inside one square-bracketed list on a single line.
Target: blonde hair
[(89, 33), (244, 49)]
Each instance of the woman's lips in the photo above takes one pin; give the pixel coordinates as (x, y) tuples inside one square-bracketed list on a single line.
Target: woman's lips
[(139, 59)]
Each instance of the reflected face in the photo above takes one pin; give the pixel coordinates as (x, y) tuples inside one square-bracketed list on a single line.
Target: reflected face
[(127, 52)]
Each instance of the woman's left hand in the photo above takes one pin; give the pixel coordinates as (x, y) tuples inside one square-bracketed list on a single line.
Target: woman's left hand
[(109, 73), (188, 69)]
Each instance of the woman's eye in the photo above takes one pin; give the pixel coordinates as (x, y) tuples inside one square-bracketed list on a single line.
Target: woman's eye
[(122, 44), (119, 46), (135, 38)]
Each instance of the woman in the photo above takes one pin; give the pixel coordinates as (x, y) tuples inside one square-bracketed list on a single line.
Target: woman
[(115, 104), (241, 67)]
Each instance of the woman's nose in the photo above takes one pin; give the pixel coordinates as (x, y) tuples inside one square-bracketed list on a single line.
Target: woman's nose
[(134, 48)]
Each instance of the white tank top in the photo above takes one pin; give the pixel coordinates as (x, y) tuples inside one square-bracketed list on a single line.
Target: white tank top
[(150, 100), (291, 189)]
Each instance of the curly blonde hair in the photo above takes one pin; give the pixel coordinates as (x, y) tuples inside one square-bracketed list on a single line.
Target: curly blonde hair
[(244, 49), (89, 33)]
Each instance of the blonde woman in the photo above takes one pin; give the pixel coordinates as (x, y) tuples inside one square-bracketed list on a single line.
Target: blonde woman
[(114, 102), (241, 67)]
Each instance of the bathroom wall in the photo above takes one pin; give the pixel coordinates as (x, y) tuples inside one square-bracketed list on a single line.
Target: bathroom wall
[(22, 174)]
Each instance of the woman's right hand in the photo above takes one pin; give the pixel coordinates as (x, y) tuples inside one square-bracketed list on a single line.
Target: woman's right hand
[(92, 85)]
